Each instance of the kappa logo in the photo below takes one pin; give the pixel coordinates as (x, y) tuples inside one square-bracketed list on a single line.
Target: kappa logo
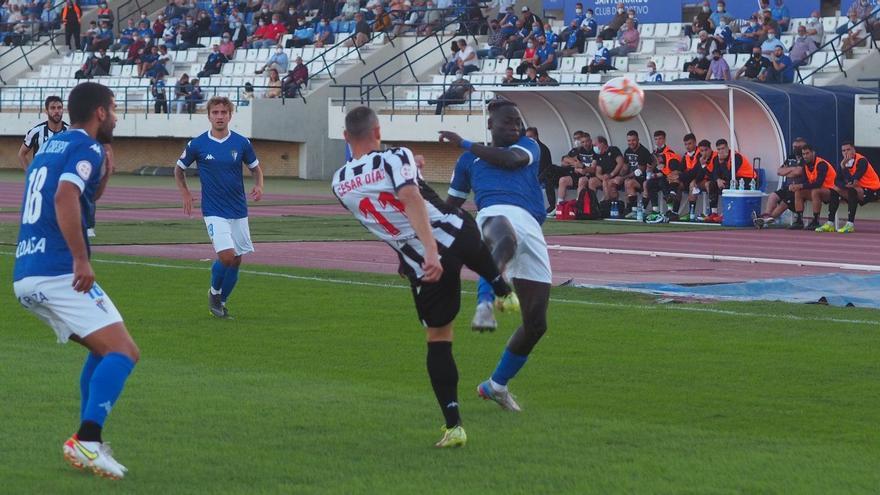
[(209, 157), (96, 148), (100, 304), (107, 406), (451, 405)]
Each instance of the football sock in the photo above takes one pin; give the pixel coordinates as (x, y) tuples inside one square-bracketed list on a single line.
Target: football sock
[(92, 361), (833, 205), (816, 217), (89, 431), (676, 204), (799, 217), (106, 385), (852, 201), (229, 280), (508, 366), (444, 380), (486, 292), (217, 271)]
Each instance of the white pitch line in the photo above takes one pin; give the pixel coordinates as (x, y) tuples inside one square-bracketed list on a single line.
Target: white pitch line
[(719, 257)]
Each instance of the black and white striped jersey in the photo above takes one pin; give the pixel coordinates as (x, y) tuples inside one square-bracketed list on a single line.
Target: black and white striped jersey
[(39, 134), (367, 187)]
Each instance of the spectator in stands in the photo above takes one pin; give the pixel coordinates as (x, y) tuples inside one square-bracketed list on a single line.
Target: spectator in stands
[(149, 60), (362, 32), (707, 43), (218, 22), (383, 22), (820, 177), (614, 25), (720, 15), (277, 61), (781, 15), (430, 20), (771, 43), (90, 35), (182, 90), (135, 49), (701, 22), (546, 57), (302, 37), (165, 60), (544, 79), (227, 47), (48, 18), (452, 62), (349, 9), (529, 58), (237, 31), (105, 14), (103, 39), (327, 10), (601, 59), (495, 42), (175, 9), (628, 38), (516, 43), (126, 37), (268, 35), (214, 63), (755, 68), (323, 35), (747, 38), (856, 35), (552, 38), (203, 23), (531, 78), (295, 79), (589, 28), (159, 25), (507, 20), (768, 24), (274, 85), (653, 75), (723, 36), (802, 48), (530, 20), (815, 28), (195, 97), (698, 68), (71, 15), (458, 93), (97, 64), (466, 59), (144, 29), (157, 89), (719, 70), (509, 78)]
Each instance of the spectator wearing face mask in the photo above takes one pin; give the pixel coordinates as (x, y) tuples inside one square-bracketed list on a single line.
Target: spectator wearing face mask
[(653, 75), (431, 19), (383, 22), (803, 47), (701, 22), (105, 14), (718, 68), (214, 63), (159, 24), (755, 68), (236, 30), (781, 15), (747, 37), (723, 36), (589, 27), (268, 35), (292, 84), (362, 31), (628, 38), (707, 44), (126, 37), (631, 15), (856, 35), (277, 61), (781, 67), (601, 59), (227, 47), (720, 15), (698, 68), (350, 8), (546, 56), (466, 59), (768, 24), (815, 28), (771, 43), (614, 25), (323, 34), (495, 42), (529, 58)]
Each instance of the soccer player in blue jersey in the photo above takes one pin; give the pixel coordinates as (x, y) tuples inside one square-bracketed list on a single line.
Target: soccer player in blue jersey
[(53, 278), (220, 154), (504, 179)]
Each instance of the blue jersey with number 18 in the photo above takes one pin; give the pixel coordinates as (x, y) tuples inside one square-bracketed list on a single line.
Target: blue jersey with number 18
[(73, 157)]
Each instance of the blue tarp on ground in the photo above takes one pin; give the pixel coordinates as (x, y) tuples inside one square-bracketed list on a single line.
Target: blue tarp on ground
[(839, 289)]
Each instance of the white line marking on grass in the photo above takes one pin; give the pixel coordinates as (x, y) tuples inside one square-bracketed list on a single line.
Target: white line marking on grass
[(717, 257), (555, 300)]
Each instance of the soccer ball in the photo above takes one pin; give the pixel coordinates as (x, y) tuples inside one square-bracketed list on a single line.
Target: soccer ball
[(621, 99)]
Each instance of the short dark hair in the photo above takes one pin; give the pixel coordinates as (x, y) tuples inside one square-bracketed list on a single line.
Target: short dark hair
[(578, 133), (632, 133), (659, 133), (846, 143), (807, 146), (85, 98), (360, 121), (53, 99), (689, 137), (586, 134), (721, 142), (533, 130), (601, 140), (496, 105), (705, 144)]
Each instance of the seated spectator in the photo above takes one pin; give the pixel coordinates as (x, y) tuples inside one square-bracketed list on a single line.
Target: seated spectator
[(227, 47), (431, 20), (614, 25), (214, 63), (862, 10), (628, 38), (720, 15), (509, 79), (237, 31), (507, 20), (302, 37), (97, 64), (570, 37), (474, 22), (349, 9), (701, 22), (362, 32), (383, 22), (135, 49), (89, 36), (653, 75), (268, 35), (292, 84), (781, 15), (159, 25), (466, 59), (102, 39), (707, 44), (545, 56), (755, 68), (601, 59), (544, 79), (203, 23), (495, 42), (144, 29), (323, 35), (698, 68), (815, 28), (516, 44), (126, 37), (165, 63), (277, 61), (820, 177), (531, 21), (529, 58), (48, 18), (531, 78), (803, 47), (149, 63), (182, 90), (767, 24), (195, 97), (457, 93), (552, 38), (747, 38), (157, 89), (218, 22), (452, 62), (274, 84), (856, 35), (723, 37), (105, 14), (589, 27), (771, 43), (719, 70)]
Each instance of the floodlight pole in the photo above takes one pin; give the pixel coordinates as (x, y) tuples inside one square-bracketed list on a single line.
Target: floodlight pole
[(733, 145)]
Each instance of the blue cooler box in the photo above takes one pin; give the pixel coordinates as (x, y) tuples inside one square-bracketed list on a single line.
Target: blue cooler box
[(737, 207)]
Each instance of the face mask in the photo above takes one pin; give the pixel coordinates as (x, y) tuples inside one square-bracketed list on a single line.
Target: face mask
[(531, 45), (598, 44), (716, 57), (753, 24), (632, 16), (596, 150), (706, 8), (702, 55), (278, 50), (771, 36), (589, 16), (262, 23), (578, 11), (720, 9), (722, 24), (189, 23), (291, 12), (143, 16), (652, 69), (274, 21)]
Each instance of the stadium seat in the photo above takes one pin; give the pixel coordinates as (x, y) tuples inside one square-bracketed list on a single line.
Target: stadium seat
[(489, 65), (567, 64), (621, 63), (476, 79), (647, 47), (594, 78), (660, 30), (263, 54), (646, 30), (228, 68), (730, 58), (566, 78), (581, 78), (674, 30), (819, 59)]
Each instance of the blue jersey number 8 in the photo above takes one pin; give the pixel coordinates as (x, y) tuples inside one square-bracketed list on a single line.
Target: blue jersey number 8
[(33, 201)]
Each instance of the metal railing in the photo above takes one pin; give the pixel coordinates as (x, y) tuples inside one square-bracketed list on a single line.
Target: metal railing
[(34, 42), (833, 42), (355, 48)]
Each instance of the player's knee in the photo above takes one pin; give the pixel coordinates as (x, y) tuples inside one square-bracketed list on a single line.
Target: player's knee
[(228, 259)]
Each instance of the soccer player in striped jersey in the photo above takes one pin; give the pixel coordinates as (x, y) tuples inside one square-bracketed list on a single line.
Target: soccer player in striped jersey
[(53, 277), (504, 179), (220, 154), (40, 133), (385, 191)]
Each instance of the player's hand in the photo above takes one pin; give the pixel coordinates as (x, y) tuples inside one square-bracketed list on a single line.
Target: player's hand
[(420, 161), (450, 137), (721, 183), (432, 268), (257, 193), (187, 203), (83, 276)]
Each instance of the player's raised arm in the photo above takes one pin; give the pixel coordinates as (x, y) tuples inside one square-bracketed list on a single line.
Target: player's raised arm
[(507, 158)]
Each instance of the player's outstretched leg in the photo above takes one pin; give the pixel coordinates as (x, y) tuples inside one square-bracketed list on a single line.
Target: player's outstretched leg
[(500, 246), (534, 298), (111, 359), (444, 380), (224, 276)]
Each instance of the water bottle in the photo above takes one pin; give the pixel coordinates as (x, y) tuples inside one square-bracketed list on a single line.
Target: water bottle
[(615, 212), (742, 184), (640, 212)]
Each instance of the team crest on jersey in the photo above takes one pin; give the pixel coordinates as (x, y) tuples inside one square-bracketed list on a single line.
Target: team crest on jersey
[(407, 172), (84, 169)]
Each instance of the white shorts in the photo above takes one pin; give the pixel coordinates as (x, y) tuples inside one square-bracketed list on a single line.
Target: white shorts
[(67, 311), (531, 261), (228, 233)]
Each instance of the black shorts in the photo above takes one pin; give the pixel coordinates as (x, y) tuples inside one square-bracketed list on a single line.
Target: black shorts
[(786, 196), (553, 174), (437, 303), (871, 195)]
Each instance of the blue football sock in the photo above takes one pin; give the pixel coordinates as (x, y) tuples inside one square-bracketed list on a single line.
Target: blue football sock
[(484, 291), (229, 280), (217, 272), (106, 385), (508, 366), (92, 361)]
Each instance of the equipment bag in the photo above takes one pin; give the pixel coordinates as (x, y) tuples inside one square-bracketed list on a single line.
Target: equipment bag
[(566, 210), (587, 206)]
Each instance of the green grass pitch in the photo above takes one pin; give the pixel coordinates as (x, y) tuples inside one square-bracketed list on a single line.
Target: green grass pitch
[(319, 386)]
